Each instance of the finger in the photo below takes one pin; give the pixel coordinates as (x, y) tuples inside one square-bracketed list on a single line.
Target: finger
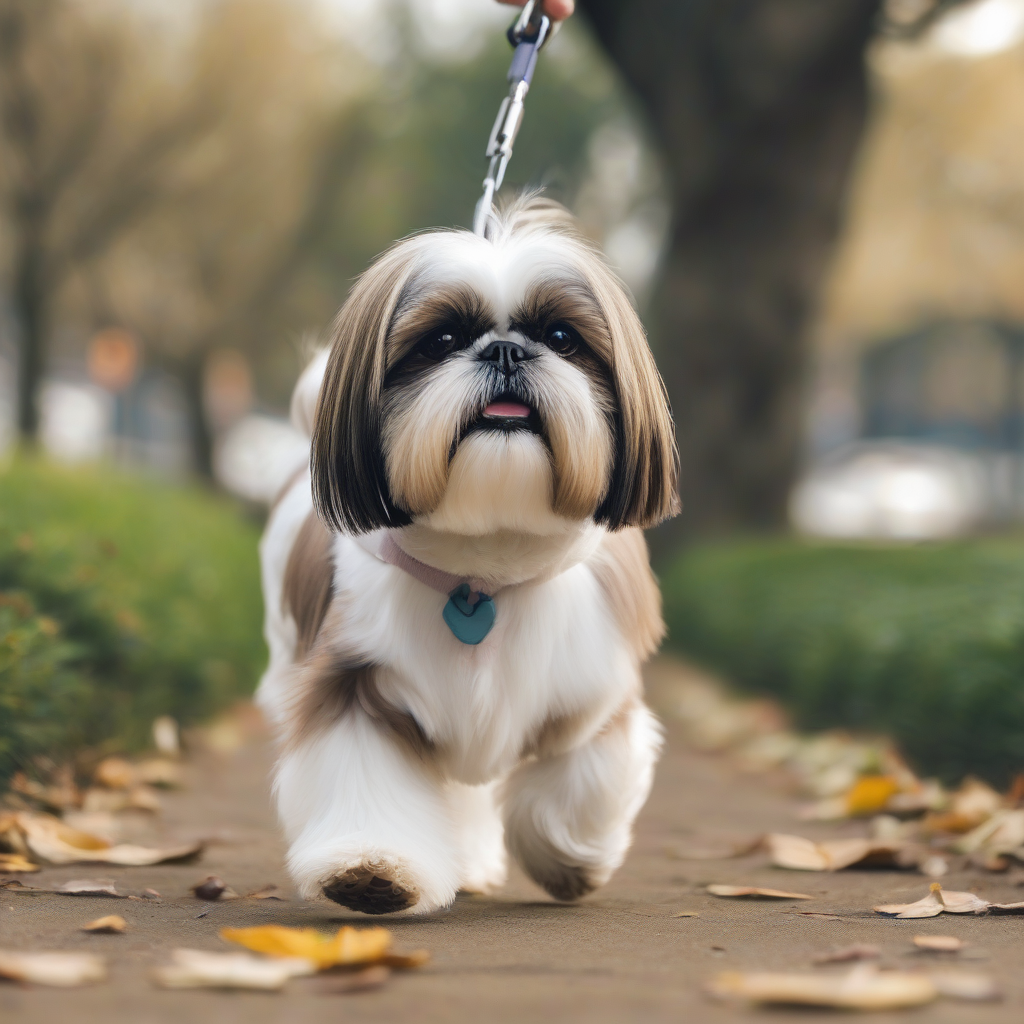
[(557, 10)]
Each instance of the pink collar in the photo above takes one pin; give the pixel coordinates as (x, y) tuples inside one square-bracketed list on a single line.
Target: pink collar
[(387, 550)]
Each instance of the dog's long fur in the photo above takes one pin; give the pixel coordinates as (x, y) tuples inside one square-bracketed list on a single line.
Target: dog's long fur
[(411, 761)]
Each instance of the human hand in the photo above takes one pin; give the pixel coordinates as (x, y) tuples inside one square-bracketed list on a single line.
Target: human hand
[(556, 10)]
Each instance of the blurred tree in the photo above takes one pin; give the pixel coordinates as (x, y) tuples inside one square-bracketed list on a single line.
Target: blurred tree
[(72, 178), (758, 106), (225, 258)]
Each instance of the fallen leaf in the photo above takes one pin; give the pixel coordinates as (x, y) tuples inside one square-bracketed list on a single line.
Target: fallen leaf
[(975, 801), (933, 865), (213, 888), (267, 892), (52, 840), (870, 794), (90, 887), (936, 902), (62, 970), (865, 987), (112, 924), (801, 854), (161, 772), (406, 961), (16, 864), (115, 773), (962, 985), (358, 981), (750, 890), (196, 968), (858, 951), (1003, 831), (939, 943), (144, 798), (348, 946)]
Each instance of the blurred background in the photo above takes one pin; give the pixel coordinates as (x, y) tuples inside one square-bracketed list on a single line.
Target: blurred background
[(818, 207)]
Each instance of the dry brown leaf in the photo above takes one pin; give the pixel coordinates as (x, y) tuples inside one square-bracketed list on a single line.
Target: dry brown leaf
[(144, 798), (52, 840), (863, 988), (196, 968), (161, 772), (975, 801), (112, 924), (846, 954), (266, 892), (16, 864), (750, 890), (963, 985), (406, 961), (1003, 831), (356, 981), (939, 943), (801, 854), (115, 773), (61, 970), (90, 887), (937, 901)]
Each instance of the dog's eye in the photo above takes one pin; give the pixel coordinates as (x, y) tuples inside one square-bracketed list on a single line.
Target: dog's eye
[(441, 343), (562, 339)]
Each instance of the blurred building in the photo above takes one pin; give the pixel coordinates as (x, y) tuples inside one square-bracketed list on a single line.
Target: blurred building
[(914, 422)]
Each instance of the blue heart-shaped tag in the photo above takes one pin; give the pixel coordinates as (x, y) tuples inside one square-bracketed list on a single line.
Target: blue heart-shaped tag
[(469, 622)]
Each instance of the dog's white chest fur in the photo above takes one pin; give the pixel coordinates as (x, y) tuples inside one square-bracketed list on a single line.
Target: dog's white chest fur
[(555, 652)]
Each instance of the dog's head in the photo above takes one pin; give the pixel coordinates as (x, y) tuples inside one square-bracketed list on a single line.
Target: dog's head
[(477, 385)]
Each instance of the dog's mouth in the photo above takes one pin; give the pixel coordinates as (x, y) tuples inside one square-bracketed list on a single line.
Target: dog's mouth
[(508, 413)]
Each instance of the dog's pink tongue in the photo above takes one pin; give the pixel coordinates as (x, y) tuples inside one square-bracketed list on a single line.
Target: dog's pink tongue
[(507, 410)]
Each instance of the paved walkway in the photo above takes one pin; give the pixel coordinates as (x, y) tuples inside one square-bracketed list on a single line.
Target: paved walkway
[(619, 955)]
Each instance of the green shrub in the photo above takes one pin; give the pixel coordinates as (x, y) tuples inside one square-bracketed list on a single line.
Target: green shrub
[(924, 643), (121, 598)]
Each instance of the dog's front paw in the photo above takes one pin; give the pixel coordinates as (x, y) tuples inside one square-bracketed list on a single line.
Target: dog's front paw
[(566, 882), (371, 889)]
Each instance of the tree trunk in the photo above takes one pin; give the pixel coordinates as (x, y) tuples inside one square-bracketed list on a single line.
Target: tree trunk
[(758, 106), (190, 373), (29, 302)]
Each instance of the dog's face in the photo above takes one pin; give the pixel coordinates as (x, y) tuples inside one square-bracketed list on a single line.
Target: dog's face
[(477, 385)]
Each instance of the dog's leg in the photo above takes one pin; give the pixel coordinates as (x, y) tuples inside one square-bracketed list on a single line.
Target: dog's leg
[(480, 836), (569, 817), (369, 824)]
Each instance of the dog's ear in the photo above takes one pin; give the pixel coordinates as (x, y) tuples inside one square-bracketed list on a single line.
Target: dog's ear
[(350, 485), (643, 488)]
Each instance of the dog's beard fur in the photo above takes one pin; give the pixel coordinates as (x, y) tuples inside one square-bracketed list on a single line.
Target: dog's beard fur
[(455, 473)]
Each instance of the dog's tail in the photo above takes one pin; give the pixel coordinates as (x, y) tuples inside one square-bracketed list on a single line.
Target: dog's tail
[(307, 391)]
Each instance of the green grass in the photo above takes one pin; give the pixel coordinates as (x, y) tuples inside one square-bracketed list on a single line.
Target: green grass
[(121, 598), (923, 643)]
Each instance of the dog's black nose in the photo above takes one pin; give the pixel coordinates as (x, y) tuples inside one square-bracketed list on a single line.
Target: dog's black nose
[(506, 356)]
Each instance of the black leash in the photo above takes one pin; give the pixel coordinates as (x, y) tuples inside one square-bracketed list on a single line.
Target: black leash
[(530, 31)]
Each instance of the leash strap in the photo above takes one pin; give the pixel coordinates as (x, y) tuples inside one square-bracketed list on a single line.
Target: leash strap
[(530, 31)]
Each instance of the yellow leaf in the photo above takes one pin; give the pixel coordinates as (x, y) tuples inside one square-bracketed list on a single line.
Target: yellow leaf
[(348, 946), (870, 794)]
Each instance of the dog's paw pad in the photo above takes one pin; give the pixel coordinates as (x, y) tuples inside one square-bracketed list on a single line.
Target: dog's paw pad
[(365, 890)]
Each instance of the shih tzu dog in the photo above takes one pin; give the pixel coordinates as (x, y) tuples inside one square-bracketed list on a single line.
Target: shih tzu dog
[(458, 594)]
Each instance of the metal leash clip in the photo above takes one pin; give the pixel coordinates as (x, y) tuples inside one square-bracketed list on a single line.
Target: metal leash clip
[(530, 31)]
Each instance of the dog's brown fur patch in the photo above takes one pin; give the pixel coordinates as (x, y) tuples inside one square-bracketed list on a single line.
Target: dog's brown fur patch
[(329, 687), (623, 570), (308, 582)]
